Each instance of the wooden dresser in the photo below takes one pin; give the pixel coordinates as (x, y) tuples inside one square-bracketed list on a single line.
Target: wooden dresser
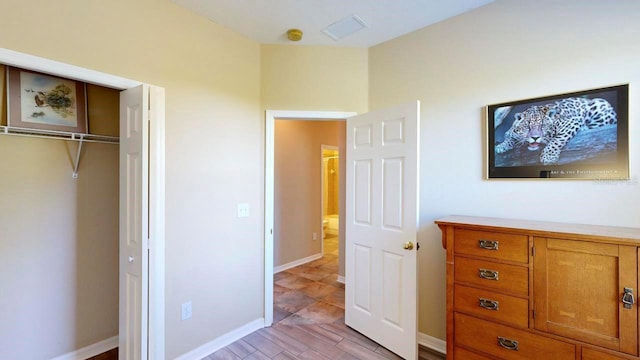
[(540, 290)]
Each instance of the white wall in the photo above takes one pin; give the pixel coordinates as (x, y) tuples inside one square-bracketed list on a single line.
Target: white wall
[(507, 50)]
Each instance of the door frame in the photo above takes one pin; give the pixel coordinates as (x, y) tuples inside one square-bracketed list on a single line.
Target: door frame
[(269, 182), (156, 303), (323, 183)]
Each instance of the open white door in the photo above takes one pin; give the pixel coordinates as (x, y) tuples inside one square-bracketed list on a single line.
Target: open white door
[(381, 227), (134, 223)]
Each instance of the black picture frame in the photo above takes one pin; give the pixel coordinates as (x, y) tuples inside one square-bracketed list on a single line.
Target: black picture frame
[(599, 150)]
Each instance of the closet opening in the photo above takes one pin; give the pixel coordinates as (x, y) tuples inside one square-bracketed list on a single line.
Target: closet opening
[(60, 214)]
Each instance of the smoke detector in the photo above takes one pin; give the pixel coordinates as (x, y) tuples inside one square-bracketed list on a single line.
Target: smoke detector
[(294, 34)]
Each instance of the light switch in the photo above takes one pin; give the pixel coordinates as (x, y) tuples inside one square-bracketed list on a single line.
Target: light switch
[(186, 310), (243, 210)]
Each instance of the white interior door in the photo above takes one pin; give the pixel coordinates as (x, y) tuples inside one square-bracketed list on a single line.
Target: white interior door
[(134, 223), (381, 227)]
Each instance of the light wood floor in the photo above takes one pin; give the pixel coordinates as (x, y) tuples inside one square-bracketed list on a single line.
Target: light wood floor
[(309, 320), (312, 342)]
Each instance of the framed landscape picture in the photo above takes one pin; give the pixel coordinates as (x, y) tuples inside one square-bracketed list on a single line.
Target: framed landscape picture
[(578, 135), (40, 101)]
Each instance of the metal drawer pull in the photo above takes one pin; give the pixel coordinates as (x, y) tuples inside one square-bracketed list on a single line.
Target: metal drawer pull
[(489, 304), (488, 274), (508, 343), (627, 298), (488, 244)]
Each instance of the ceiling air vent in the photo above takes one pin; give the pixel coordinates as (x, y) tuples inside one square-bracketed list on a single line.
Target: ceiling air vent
[(345, 27)]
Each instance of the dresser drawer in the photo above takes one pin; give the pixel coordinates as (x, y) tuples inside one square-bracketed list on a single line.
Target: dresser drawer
[(486, 303), (463, 354), (486, 337), (502, 277), (495, 245), (589, 354)]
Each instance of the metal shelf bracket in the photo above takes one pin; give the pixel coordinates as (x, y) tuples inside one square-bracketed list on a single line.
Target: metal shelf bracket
[(77, 162)]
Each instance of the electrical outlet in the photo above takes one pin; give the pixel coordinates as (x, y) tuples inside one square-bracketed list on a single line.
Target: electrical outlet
[(243, 210), (315, 236), (186, 310)]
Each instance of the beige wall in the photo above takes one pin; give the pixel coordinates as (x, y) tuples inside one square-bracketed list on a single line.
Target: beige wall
[(298, 193), (314, 78), (218, 83), (58, 248), (212, 81), (506, 51)]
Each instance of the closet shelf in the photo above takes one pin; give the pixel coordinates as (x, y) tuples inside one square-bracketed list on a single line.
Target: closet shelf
[(50, 134), (60, 135)]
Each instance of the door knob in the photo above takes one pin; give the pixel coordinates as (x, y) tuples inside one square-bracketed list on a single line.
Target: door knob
[(131, 259), (408, 245)]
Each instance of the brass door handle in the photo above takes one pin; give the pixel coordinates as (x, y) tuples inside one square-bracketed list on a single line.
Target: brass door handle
[(508, 343), (489, 304), (488, 244), (488, 274), (408, 245)]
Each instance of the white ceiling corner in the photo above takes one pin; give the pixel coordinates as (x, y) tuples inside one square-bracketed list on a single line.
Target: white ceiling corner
[(267, 21)]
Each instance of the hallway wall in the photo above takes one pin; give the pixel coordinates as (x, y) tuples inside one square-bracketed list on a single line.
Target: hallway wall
[(298, 193)]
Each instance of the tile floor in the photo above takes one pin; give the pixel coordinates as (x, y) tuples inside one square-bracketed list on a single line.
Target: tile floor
[(310, 293), (309, 320)]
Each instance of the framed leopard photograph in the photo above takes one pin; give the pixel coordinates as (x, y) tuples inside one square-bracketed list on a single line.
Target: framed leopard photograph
[(578, 135)]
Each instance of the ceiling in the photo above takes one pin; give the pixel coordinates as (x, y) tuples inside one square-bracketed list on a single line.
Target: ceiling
[(267, 21)]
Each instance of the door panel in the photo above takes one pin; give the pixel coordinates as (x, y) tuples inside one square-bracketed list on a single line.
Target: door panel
[(392, 186), (134, 215), (392, 289), (362, 266), (578, 286), (381, 216), (363, 192)]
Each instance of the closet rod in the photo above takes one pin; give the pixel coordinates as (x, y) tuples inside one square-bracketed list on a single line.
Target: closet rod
[(44, 134), (59, 135)]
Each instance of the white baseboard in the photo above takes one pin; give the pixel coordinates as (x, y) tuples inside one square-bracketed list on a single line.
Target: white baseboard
[(432, 343), (91, 350), (222, 341), (295, 263), (341, 279)]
